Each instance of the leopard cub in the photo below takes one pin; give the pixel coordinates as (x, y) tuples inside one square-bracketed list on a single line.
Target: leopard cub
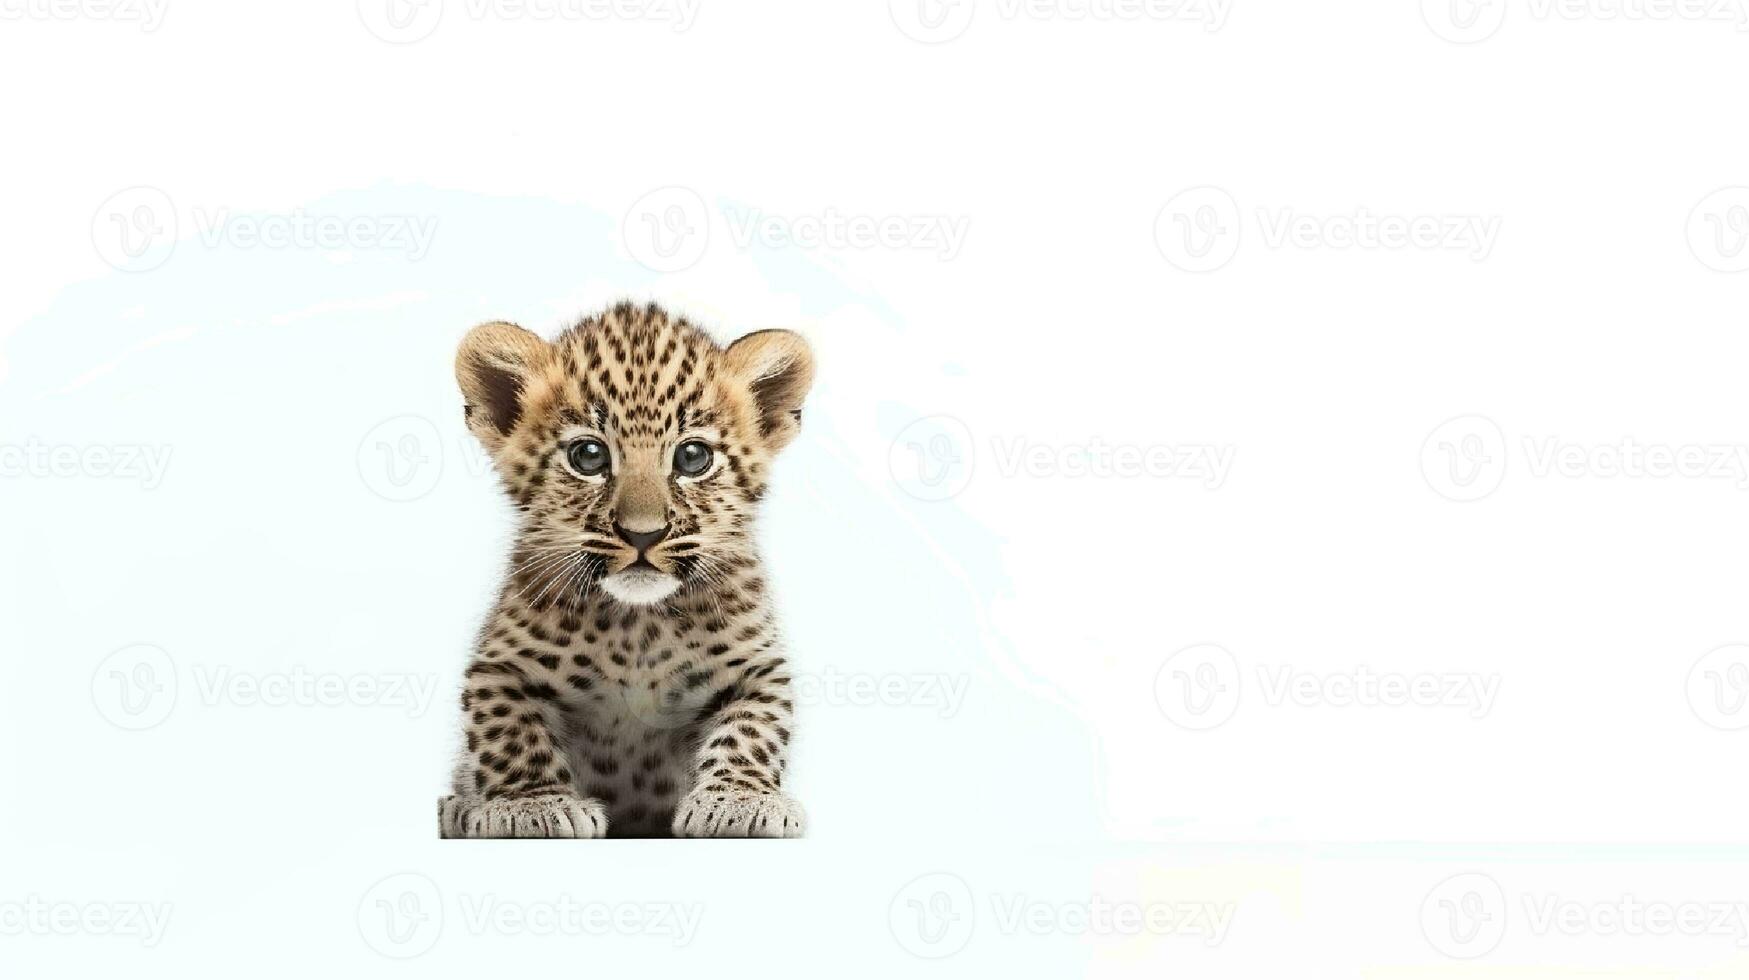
[(630, 681)]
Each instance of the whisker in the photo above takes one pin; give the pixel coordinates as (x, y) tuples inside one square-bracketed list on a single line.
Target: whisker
[(585, 579), (546, 562), (553, 580), (545, 574)]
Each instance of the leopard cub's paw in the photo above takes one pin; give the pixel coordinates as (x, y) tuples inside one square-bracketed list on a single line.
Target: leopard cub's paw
[(731, 813), (550, 815)]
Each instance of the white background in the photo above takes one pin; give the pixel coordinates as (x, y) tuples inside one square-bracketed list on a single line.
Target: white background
[(1453, 295)]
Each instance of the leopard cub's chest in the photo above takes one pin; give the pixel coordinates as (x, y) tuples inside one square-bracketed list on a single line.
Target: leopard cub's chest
[(625, 677), (633, 700)]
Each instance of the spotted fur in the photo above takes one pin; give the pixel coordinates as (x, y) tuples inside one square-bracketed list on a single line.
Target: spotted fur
[(611, 694)]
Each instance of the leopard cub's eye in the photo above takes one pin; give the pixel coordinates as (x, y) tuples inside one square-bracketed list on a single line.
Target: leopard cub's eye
[(588, 457), (692, 458)]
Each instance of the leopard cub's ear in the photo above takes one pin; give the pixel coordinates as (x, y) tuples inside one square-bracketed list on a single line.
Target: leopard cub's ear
[(778, 368), (493, 367)]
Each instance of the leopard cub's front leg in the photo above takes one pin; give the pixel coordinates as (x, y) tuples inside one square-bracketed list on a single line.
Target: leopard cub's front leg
[(740, 766), (514, 781)]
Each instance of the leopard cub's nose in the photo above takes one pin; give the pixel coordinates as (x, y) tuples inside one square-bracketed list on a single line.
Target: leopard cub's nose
[(641, 540)]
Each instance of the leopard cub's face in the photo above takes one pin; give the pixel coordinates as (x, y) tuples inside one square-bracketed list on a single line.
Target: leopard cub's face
[(634, 447)]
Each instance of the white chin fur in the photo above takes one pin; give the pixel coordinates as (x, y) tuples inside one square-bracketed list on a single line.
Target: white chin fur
[(641, 587)]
